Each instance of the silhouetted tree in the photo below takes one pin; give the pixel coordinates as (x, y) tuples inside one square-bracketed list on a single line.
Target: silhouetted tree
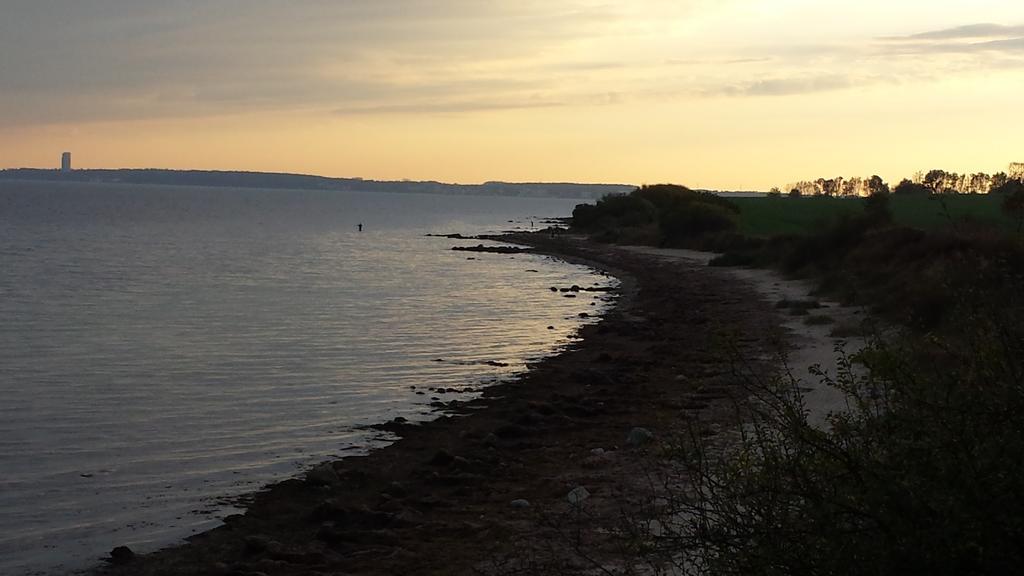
[(876, 185), (907, 187), (999, 179), (1009, 187), (935, 180)]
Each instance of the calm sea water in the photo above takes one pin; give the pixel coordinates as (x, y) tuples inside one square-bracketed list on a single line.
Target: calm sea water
[(164, 349)]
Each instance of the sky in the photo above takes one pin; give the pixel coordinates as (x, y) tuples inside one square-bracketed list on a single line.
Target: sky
[(726, 94)]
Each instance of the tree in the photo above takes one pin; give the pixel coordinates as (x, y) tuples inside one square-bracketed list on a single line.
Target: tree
[(805, 188), (876, 185), (980, 183), (1008, 187), (831, 186), (998, 180), (795, 193), (852, 187), (821, 186), (935, 180), (907, 188)]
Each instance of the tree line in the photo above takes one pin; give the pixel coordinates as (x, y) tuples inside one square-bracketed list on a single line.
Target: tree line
[(935, 181)]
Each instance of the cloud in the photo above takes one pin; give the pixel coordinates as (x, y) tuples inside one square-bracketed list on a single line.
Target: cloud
[(968, 39), (443, 107), (787, 86), (97, 60), (125, 59), (716, 62), (970, 31)]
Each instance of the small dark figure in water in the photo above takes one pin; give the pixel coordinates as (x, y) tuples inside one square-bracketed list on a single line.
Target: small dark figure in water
[(360, 226)]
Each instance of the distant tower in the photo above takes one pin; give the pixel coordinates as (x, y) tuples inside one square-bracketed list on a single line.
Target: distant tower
[(65, 162)]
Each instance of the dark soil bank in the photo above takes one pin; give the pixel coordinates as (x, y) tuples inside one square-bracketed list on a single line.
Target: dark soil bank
[(487, 482)]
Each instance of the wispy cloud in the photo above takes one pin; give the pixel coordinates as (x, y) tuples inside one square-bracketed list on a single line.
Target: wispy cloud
[(716, 62), (968, 39), (96, 60), (969, 31), (446, 107), (128, 59), (782, 86)]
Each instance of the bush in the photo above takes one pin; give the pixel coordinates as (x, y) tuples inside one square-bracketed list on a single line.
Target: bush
[(683, 223), (920, 475), (680, 215), (614, 211), (826, 248)]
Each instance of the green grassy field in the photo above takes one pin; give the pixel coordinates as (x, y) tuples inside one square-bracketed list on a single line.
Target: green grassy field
[(772, 216)]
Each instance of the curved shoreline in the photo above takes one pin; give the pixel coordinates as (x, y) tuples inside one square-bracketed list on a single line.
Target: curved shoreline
[(439, 500)]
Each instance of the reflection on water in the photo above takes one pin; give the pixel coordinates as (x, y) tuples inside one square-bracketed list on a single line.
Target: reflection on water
[(165, 348)]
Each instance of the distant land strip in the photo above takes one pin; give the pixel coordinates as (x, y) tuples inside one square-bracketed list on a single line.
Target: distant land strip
[(229, 179)]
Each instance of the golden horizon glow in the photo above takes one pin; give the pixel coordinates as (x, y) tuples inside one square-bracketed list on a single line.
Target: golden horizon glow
[(733, 94)]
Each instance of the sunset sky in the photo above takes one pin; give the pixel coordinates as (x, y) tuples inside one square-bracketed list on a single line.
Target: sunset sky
[(729, 94)]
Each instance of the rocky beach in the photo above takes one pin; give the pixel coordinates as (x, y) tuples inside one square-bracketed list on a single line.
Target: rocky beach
[(535, 475)]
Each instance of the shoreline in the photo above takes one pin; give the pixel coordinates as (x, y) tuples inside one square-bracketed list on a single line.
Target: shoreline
[(460, 493), (817, 337)]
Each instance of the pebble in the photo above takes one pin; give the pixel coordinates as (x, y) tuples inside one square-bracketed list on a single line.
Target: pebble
[(639, 437), (578, 495), (519, 504), (122, 555)]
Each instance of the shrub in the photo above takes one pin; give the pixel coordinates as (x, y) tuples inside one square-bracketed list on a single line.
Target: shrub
[(683, 223), (920, 474), (614, 211), (680, 215)]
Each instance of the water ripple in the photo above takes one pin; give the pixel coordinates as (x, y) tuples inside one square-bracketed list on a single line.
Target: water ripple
[(163, 349)]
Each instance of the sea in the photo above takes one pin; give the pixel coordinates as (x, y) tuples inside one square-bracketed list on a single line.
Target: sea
[(165, 351)]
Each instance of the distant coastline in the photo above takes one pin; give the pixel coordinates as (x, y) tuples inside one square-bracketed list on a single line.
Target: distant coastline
[(286, 181), (233, 179)]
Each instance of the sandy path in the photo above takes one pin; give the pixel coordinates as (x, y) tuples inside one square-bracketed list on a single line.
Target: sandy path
[(808, 345)]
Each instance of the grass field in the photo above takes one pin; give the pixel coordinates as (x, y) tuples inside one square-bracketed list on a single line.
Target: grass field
[(772, 216)]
